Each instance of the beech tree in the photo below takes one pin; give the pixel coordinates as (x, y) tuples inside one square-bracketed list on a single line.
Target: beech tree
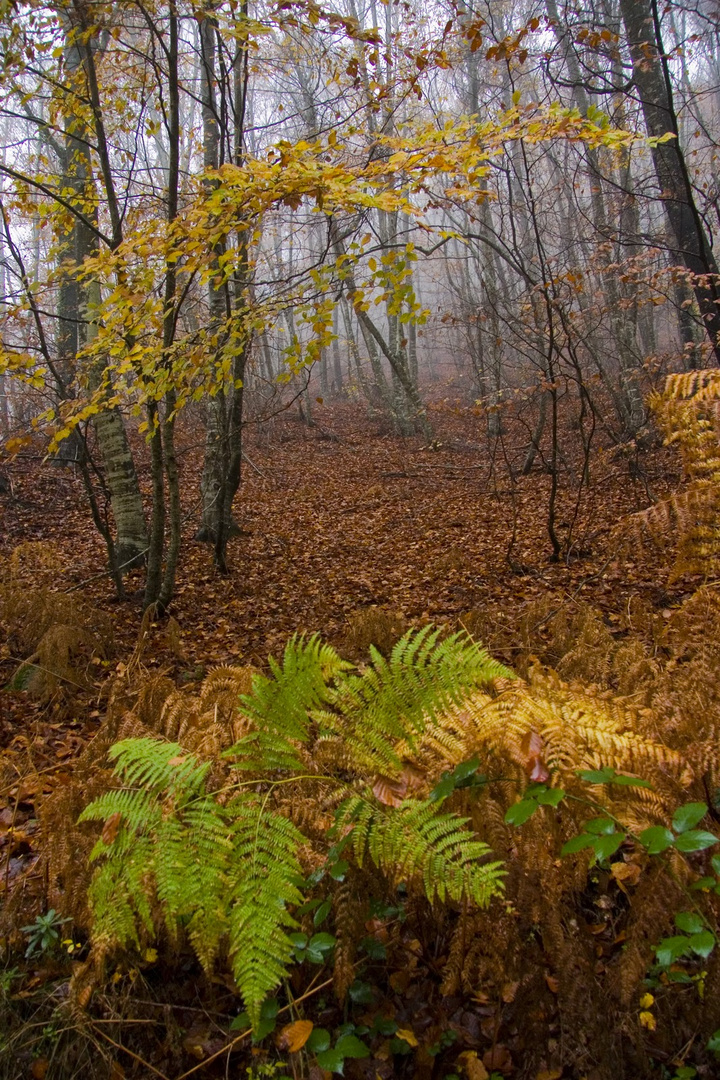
[(200, 217)]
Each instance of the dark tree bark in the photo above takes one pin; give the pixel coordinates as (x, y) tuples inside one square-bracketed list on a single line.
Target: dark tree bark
[(689, 237)]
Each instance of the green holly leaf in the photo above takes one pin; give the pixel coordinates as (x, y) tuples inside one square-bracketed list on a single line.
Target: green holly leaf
[(671, 949), (521, 812), (360, 993), (689, 921), (307, 907), (374, 949), (383, 1025), (443, 789), (598, 776), (319, 1040), (351, 1047), (703, 943), (657, 839), (331, 1060), (318, 947), (607, 845), (601, 826), (466, 769), (577, 843), (399, 1046), (687, 816), (551, 797), (241, 1022), (622, 780), (322, 912), (704, 883), (695, 840)]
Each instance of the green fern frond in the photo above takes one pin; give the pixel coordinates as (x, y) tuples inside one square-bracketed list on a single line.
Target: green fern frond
[(137, 809), (282, 703), (214, 870), (394, 700), (265, 879), (155, 763), (119, 896), (279, 705), (415, 841), (264, 752)]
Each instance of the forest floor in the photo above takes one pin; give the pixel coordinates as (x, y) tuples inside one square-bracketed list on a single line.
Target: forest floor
[(337, 519)]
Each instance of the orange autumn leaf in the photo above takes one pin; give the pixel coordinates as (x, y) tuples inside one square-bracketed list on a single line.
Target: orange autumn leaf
[(294, 1036), (472, 1065), (388, 791), (626, 873), (111, 828), (531, 748), (392, 792)]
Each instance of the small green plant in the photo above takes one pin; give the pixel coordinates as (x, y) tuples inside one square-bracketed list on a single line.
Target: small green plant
[(268, 1070), (44, 934), (7, 978), (347, 1045)]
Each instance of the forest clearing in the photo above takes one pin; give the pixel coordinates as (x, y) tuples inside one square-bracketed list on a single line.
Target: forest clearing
[(359, 541)]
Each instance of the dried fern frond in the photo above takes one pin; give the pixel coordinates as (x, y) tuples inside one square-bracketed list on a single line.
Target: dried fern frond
[(688, 411)]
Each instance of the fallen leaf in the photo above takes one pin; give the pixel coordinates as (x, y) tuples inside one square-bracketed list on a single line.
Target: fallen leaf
[(111, 828), (531, 747), (39, 1068), (509, 991), (294, 1036), (498, 1059), (626, 873), (388, 791), (407, 1036), (552, 984), (399, 980), (549, 1074), (473, 1066)]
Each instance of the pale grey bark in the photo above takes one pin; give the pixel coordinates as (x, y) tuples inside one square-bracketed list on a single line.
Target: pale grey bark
[(77, 328)]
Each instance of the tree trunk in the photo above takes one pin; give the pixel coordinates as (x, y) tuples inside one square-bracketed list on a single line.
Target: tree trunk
[(77, 328), (688, 236)]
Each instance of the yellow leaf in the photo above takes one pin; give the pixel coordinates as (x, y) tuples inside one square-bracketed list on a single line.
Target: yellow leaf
[(407, 1036), (648, 1021), (646, 1001), (294, 1036), (473, 1066)]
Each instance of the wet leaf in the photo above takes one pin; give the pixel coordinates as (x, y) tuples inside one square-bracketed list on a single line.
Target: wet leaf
[(293, 1036)]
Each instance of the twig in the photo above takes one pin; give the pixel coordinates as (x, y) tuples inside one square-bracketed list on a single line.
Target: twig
[(30, 662), (253, 466), (131, 1053), (244, 1035)]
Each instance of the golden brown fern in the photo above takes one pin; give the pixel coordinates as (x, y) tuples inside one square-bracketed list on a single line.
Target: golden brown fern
[(688, 411)]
